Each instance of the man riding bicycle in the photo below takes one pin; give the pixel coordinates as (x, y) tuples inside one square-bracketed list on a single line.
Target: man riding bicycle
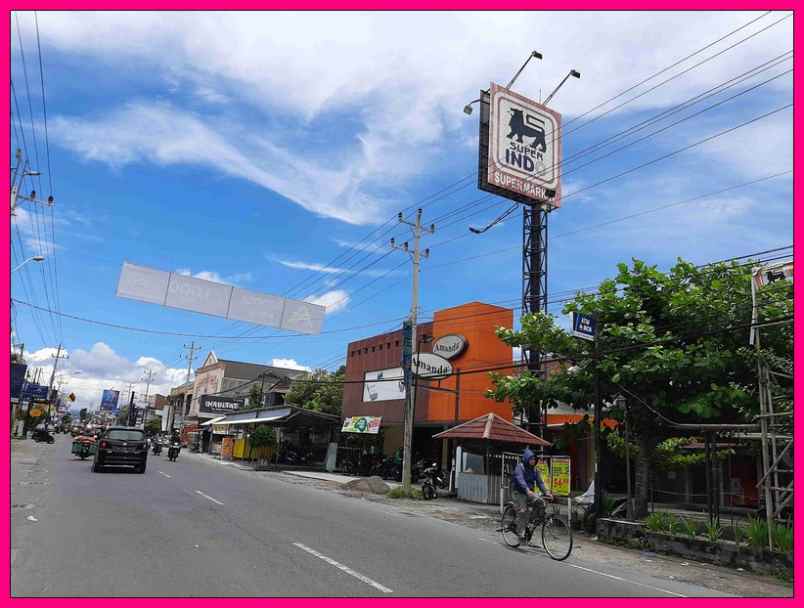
[(524, 480)]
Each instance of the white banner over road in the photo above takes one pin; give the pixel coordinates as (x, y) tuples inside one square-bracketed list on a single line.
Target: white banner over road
[(219, 300)]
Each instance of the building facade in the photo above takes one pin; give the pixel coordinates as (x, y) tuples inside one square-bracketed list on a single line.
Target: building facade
[(374, 376)]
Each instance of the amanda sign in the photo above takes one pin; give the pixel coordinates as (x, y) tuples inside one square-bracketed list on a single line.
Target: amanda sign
[(449, 346), (430, 367), (524, 147)]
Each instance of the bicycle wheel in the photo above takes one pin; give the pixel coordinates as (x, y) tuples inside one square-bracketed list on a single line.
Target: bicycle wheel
[(508, 527), (556, 538)]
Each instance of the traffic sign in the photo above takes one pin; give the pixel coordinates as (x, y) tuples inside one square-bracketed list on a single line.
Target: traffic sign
[(583, 326)]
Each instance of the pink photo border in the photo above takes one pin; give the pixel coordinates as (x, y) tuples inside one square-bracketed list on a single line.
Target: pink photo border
[(425, 6)]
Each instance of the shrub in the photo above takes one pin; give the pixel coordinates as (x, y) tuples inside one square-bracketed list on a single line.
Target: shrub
[(757, 532), (713, 531), (663, 522), (782, 538), (688, 527)]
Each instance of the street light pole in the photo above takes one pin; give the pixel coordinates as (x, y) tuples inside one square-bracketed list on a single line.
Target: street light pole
[(35, 258)]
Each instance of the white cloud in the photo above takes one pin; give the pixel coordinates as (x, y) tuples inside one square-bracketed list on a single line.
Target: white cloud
[(371, 247), (404, 106), (43, 355), (166, 135), (334, 301), (288, 364), (326, 269), (211, 275), (312, 266), (88, 372)]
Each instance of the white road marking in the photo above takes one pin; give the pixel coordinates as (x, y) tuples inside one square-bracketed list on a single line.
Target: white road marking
[(31, 518), (623, 580), (200, 493), (344, 568), (165, 475)]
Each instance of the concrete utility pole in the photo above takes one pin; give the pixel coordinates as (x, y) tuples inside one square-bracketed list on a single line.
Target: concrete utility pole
[(56, 358), (190, 356), (150, 375), (416, 255)]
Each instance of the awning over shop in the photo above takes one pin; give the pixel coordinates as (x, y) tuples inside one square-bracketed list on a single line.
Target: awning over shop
[(289, 415), (254, 417), (492, 428), (212, 421)]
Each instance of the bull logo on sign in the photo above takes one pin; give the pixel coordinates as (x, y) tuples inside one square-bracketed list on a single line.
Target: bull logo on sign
[(526, 125)]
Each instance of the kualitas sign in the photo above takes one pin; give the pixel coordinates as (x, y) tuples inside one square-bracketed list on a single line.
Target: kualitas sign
[(449, 346), (430, 367), (524, 148), (219, 405)]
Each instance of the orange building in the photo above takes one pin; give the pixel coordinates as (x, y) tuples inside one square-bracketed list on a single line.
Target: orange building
[(374, 367)]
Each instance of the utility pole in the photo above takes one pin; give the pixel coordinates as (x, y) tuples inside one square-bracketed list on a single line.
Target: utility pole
[(598, 421), (147, 390), (56, 358), (416, 255), (190, 356)]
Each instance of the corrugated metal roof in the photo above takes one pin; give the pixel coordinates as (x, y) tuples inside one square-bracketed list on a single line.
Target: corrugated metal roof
[(491, 427)]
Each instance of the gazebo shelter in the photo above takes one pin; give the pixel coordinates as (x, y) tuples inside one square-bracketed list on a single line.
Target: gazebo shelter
[(487, 449)]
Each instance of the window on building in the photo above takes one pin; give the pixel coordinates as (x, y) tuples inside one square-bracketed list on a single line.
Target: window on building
[(397, 343), (380, 347), (365, 350), (372, 349), (388, 346), (473, 463)]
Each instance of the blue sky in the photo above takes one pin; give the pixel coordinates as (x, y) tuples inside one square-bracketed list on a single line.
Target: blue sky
[(254, 148)]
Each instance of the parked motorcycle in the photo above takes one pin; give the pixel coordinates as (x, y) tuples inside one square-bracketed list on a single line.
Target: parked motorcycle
[(173, 451), (434, 479), (41, 435)]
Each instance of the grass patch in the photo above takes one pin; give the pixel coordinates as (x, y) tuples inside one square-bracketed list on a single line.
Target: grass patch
[(399, 492)]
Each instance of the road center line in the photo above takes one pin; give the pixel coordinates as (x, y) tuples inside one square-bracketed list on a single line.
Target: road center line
[(624, 580), (343, 568), (165, 475), (200, 493)]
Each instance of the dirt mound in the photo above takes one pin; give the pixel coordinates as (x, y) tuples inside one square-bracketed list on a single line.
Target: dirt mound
[(370, 485)]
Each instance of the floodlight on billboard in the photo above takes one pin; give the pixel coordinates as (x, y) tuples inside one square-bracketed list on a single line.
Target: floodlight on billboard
[(219, 300), (520, 148)]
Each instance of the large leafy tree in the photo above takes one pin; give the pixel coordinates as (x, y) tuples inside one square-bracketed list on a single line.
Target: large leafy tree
[(677, 340), (319, 390)]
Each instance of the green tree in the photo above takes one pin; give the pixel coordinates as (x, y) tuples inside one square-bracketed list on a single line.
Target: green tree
[(262, 437), (678, 340), (255, 395), (319, 390), (122, 416), (154, 426)]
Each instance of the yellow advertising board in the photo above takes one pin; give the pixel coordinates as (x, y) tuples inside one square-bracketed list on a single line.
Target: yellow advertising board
[(36, 412), (560, 478)]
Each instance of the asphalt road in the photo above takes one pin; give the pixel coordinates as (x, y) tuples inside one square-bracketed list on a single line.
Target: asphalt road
[(196, 528)]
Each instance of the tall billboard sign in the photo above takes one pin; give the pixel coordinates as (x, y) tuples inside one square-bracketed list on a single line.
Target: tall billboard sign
[(520, 148), (109, 400)]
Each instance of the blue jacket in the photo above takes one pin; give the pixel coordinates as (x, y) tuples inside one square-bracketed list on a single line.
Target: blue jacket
[(526, 476)]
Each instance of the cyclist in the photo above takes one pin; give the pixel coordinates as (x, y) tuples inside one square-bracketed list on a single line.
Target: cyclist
[(524, 481)]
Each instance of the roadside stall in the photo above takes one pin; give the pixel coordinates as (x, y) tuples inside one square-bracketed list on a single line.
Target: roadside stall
[(487, 449), (303, 436)]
